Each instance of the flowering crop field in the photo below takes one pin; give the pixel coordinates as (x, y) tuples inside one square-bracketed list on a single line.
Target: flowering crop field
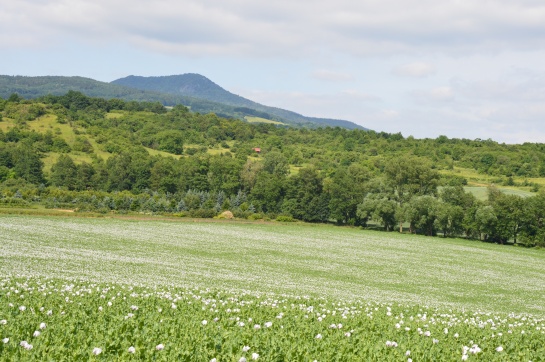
[(79, 289)]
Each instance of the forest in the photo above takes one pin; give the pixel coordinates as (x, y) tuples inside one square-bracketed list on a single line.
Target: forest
[(109, 155)]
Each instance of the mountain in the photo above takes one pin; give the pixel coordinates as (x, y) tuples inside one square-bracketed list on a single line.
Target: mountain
[(34, 87), (192, 90), (198, 86), (193, 85)]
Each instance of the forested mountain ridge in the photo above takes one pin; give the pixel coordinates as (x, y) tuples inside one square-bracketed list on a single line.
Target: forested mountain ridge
[(194, 85), (95, 154), (198, 86), (34, 87), (193, 91)]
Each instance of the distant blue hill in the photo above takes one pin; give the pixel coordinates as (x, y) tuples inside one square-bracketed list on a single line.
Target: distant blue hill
[(200, 87), (192, 90)]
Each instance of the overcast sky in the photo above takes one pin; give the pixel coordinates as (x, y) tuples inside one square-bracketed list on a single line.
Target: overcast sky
[(460, 68)]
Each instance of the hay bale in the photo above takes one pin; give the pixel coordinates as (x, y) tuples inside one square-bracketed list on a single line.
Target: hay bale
[(226, 215)]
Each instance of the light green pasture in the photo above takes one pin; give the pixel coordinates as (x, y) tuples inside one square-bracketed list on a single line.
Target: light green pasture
[(481, 193), (260, 120), (315, 260)]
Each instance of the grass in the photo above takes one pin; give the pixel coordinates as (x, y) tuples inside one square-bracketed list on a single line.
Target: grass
[(477, 179), (294, 170), (213, 150), (41, 124), (537, 180), (218, 150), (478, 183), (37, 209), (49, 122), (96, 149), (481, 193), (77, 157), (473, 177), (115, 114), (313, 260), (260, 120), (5, 124)]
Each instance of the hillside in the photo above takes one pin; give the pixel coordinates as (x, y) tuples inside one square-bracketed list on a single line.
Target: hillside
[(198, 86)]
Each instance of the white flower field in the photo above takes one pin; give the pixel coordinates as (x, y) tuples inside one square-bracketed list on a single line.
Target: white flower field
[(80, 289)]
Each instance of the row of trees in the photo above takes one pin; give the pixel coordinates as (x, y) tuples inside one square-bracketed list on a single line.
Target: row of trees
[(407, 197)]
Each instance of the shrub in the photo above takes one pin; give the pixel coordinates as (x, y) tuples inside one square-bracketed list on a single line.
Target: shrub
[(13, 202), (255, 216), (191, 151), (241, 214), (285, 218), (203, 213)]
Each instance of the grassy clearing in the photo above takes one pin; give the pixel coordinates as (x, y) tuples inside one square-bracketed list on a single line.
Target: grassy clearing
[(539, 181), (212, 150), (44, 123), (49, 122), (477, 179), (97, 150), (478, 183), (78, 157), (260, 120), (218, 150), (473, 177), (115, 114), (294, 170), (481, 193), (5, 124)]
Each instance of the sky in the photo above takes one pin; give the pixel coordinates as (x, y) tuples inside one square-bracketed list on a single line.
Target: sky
[(461, 68)]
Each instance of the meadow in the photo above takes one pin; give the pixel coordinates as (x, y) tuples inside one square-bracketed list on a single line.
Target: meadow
[(261, 120), (164, 289)]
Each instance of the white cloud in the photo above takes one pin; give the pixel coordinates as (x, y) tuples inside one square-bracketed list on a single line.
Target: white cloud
[(291, 28), (442, 93), (508, 109), (417, 69), (504, 90), (348, 104), (331, 76), (389, 113), (432, 96)]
